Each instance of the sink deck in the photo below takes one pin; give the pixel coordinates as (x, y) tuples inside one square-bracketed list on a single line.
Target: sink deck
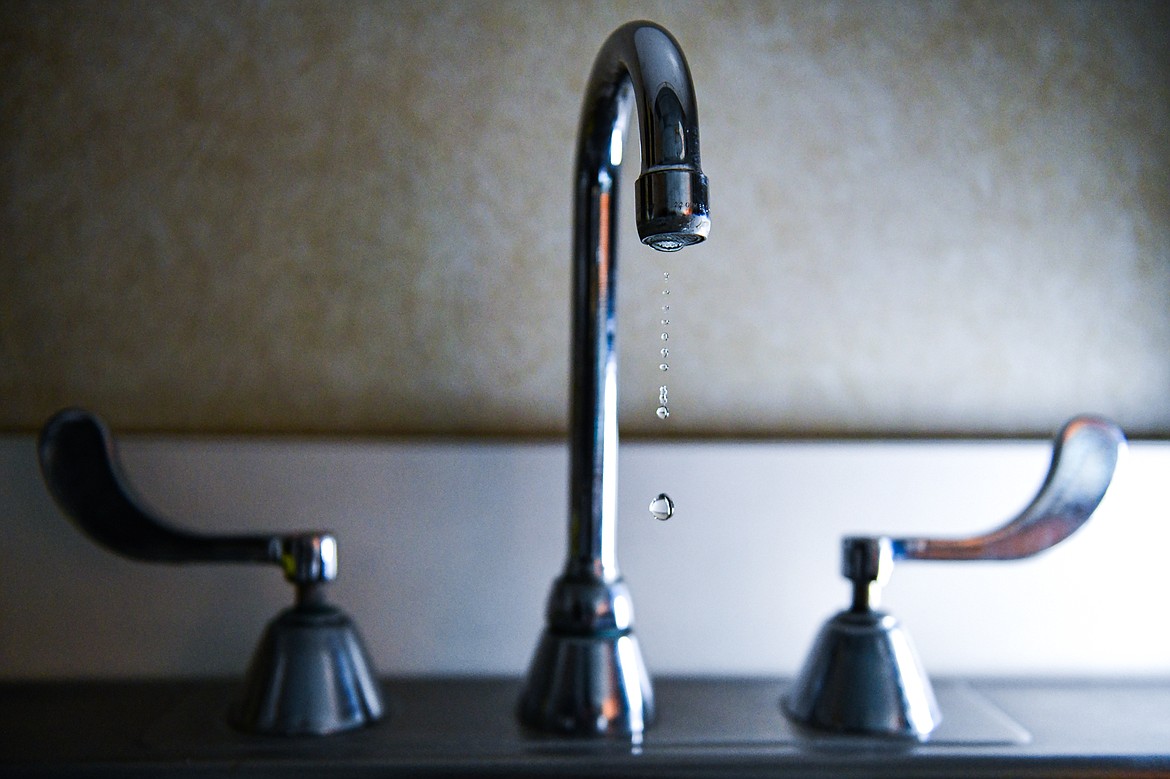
[(706, 727)]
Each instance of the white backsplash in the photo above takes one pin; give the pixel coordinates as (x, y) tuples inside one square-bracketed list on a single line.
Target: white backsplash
[(448, 549)]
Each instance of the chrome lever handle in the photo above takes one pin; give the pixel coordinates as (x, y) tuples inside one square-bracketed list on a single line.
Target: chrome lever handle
[(310, 674), (1085, 456), (862, 675), (81, 469)]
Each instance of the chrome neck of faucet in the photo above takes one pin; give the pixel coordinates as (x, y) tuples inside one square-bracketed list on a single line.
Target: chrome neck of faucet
[(587, 676), (640, 66)]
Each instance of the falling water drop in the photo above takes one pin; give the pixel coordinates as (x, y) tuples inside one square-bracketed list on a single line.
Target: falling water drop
[(666, 336), (663, 412), (662, 507), (664, 352), (664, 367)]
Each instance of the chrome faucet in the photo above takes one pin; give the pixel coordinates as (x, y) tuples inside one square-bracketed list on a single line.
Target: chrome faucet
[(587, 674)]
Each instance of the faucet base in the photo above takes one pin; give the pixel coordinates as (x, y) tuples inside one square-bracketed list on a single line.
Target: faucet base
[(588, 685), (309, 676)]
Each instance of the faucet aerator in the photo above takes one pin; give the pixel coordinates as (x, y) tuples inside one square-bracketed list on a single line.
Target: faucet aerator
[(671, 208), (672, 242)]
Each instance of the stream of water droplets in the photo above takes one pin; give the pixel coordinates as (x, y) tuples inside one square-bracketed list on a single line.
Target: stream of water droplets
[(663, 409)]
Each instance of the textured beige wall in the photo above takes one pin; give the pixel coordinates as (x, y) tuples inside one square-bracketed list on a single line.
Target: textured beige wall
[(354, 217)]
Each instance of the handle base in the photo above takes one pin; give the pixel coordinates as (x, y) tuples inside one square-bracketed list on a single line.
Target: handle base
[(864, 677), (309, 676)]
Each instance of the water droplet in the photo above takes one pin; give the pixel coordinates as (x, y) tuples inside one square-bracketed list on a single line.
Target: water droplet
[(666, 321), (662, 507), (663, 367), (665, 275), (663, 412), (666, 308), (666, 292), (662, 395), (666, 336), (664, 352)]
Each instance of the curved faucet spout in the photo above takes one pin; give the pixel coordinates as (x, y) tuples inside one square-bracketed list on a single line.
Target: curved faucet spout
[(641, 64), (587, 676)]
